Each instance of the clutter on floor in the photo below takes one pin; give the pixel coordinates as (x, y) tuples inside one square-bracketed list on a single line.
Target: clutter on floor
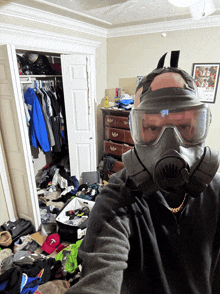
[(33, 262)]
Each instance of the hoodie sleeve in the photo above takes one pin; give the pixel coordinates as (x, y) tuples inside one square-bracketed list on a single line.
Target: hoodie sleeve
[(102, 269), (105, 248)]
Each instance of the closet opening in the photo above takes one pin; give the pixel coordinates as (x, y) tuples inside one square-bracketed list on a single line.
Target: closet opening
[(40, 75), (41, 78), (58, 93)]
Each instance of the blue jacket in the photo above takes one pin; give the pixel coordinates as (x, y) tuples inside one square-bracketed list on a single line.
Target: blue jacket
[(38, 131)]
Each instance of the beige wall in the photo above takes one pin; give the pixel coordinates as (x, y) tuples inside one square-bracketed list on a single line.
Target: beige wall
[(133, 56)]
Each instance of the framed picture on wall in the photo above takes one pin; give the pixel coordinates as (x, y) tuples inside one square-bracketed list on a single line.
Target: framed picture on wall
[(206, 77)]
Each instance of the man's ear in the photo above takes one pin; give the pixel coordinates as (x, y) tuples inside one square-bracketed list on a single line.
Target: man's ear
[(137, 97)]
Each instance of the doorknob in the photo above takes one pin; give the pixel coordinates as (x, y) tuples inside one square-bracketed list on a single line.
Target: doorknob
[(90, 138)]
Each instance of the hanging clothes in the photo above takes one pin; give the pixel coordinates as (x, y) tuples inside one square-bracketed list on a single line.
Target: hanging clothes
[(60, 98), (38, 130), (56, 122), (40, 96)]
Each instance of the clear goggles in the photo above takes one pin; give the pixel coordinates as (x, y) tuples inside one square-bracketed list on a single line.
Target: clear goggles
[(191, 126)]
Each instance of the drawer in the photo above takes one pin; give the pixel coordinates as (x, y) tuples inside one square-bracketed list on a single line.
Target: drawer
[(118, 165), (113, 148), (115, 134), (128, 138), (122, 122), (127, 148), (110, 120)]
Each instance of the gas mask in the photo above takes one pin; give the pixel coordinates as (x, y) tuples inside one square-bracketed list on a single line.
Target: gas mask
[(169, 125)]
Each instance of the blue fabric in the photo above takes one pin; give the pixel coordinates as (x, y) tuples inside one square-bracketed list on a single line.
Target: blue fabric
[(23, 281), (31, 285), (125, 103), (3, 285), (76, 185), (38, 131)]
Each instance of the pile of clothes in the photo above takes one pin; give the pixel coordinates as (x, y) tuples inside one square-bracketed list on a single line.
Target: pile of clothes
[(28, 266), (56, 187)]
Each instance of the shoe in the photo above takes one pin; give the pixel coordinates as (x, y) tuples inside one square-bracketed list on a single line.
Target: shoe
[(22, 242), (5, 238)]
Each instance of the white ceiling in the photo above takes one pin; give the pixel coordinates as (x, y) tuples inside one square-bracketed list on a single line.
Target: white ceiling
[(120, 13)]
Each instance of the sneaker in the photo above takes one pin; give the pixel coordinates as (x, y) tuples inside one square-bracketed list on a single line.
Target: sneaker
[(22, 242), (5, 238)]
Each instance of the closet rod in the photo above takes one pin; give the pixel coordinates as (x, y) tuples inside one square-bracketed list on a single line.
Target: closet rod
[(26, 82)]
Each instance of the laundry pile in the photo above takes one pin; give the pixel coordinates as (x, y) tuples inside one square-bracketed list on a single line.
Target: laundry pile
[(34, 263), (46, 260), (60, 191), (56, 187)]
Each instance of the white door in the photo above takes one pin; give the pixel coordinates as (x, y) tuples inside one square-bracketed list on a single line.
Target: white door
[(15, 138), (79, 89), (8, 210)]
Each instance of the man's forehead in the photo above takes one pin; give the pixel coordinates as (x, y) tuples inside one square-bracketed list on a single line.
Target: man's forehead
[(187, 114)]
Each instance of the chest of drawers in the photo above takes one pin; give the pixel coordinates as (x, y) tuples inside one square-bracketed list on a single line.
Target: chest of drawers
[(116, 134)]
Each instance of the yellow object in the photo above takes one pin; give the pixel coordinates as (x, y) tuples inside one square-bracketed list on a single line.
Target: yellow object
[(106, 103)]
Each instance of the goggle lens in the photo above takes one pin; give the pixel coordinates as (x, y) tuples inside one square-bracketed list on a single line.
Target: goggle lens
[(191, 125)]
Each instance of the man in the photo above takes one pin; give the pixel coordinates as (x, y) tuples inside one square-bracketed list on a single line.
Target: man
[(155, 228)]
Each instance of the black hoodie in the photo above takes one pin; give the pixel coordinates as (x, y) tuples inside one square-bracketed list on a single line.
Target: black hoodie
[(135, 244)]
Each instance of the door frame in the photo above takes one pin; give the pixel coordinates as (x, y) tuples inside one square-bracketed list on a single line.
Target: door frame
[(20, 38)]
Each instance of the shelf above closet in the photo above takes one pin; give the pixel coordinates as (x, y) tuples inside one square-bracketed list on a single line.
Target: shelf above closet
[(28, 79), (40, 76)]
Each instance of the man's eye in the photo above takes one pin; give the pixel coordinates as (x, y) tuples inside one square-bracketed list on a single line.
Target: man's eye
[(183, 127), (153, 128)]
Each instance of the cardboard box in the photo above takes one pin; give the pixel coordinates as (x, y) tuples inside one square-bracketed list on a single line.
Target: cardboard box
[(127, 82)]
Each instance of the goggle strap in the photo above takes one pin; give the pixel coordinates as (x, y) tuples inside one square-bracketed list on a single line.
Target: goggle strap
[(161, 61), (174, 58)]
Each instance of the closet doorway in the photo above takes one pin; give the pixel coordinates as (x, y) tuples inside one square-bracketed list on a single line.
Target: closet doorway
[(79, 83)]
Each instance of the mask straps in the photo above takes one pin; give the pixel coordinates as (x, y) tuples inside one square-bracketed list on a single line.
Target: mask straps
[(174, 58), (161, 61)]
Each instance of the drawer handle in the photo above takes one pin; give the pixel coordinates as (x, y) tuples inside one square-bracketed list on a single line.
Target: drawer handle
[(114, 135), (112, 148), (109, 120), (125, 122)]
